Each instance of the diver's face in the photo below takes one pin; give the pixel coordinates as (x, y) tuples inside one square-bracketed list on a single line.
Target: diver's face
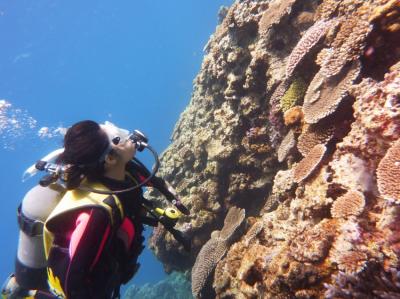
[(125, 150)]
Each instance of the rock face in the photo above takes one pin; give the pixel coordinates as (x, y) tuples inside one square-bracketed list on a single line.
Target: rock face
[(296, 106)]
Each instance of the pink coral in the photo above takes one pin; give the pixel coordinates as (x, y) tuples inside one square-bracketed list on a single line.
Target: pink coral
[(388, 174), (350, 204)]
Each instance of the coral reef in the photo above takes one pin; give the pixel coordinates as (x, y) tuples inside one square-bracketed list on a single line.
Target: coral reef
[(312, 36), (293, 95), (309, 164), (175, 285), (214, 249), (350, 204), (375, 282), (315, 172), (288, 143), (388, 172), (325, 94)]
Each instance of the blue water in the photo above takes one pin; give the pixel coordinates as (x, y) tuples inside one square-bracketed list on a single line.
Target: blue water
[(129, 62)]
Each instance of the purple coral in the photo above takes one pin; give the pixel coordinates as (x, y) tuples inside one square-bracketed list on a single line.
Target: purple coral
[(374, 282)]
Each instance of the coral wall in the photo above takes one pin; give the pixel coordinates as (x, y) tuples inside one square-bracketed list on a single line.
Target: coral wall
[(294, 118)]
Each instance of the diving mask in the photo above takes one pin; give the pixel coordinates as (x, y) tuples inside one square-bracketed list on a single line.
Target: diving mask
[(117, 135)]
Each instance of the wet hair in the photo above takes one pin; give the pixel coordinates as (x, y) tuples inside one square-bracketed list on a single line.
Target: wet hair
[(84, 145)]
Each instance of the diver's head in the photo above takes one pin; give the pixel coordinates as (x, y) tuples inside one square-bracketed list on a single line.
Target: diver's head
[(91, 149)]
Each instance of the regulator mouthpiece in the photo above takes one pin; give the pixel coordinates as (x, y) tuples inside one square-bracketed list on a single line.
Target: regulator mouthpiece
[(139, 139)]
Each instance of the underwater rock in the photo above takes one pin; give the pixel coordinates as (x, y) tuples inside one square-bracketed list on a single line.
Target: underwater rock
[(319, 218)]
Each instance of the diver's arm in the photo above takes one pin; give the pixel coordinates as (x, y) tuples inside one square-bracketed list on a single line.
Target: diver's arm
[(135, 166)]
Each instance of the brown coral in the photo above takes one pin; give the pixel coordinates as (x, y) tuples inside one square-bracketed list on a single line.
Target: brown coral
[(214, 249), (309, 164), (388, 174), (252, 233), (306, 44), (311, 245), (351, 262), (327, 9), (350, 204), (293, 116), (313, 135), (287, 144), (388, 14), (273, 15), (206, 261), (347, 46), (233, 220), (325, 94)]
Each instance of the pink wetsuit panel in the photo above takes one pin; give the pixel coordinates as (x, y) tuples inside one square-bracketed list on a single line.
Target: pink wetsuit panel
[(127, 232), (81, 223)]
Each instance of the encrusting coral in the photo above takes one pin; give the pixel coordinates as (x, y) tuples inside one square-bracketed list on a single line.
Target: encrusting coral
[(327, 224), (293, 95)]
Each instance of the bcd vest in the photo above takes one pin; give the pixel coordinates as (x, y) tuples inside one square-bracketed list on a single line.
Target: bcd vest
[(70, 205)]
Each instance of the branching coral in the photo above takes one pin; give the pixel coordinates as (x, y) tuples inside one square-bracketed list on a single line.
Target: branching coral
[(293, 95), (350, 204), (309, 164), (388, 173), (306, 44), (325, 94)]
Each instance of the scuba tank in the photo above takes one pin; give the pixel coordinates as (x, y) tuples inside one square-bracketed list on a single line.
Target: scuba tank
[(30, 264)]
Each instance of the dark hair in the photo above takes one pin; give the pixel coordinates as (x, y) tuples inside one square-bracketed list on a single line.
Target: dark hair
[(84, 144)]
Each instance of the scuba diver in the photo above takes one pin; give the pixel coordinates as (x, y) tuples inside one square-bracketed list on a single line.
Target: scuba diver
[(81, 228)]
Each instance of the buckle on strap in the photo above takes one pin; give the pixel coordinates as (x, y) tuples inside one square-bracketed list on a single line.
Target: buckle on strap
[(29, 226)]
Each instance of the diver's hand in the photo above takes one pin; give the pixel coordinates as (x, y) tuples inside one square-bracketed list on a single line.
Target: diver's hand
[(176, 200), (179, 205)]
